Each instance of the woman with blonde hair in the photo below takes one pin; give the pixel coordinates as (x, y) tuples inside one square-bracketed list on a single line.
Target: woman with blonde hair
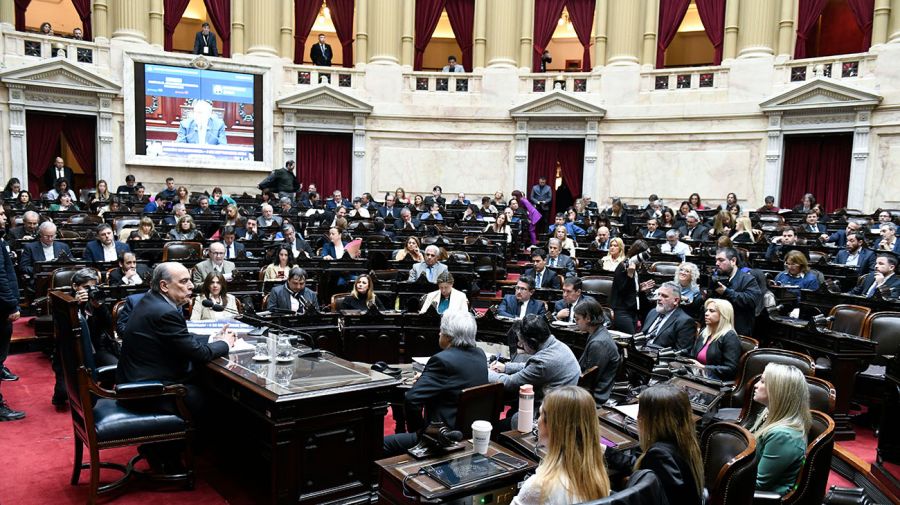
[(565, 241), (718, 348), (573, 470), (781, 429), (687, 277), (146, 230), (723, 224), (616, 255), (745, 232), (363, 295), (668, 443)]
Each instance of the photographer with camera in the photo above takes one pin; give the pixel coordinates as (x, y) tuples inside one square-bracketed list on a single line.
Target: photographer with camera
[(626, 288)]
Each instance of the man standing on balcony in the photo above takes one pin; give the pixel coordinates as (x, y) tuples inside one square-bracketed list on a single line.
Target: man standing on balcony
[(452, 66), (320, 53), (205, 42)]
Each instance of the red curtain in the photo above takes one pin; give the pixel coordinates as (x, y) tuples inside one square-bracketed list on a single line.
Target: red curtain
[(305, 12), (43, 145), (817, 164), (546, 19), (219, 12), (325, 160), (581, 13), (671, 13), (864, 12), (172, 12), (543, 154), (21, 7), (807, 18), (81, 135), (342, 17), (428, 13), (462, 19), (712, 15), (83, 8)]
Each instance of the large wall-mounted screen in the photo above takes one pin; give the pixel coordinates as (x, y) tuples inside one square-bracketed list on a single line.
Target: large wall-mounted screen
[(197, 114)]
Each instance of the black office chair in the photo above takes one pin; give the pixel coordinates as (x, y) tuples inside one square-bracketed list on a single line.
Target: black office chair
[(479, 403), (643, 488)]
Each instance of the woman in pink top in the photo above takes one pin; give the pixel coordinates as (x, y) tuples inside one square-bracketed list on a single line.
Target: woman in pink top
[(718, 348)]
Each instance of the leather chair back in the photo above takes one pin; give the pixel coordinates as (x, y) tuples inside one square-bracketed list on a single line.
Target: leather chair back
[(817, 257), (458, 257), (748, 344), (62, 277), (336, 300), (754, 362), (884, 329), (729, 460), (643, 488), (479, 403), (813, 478), (176, 251), (597, 284), (664, 267), (848, 318)]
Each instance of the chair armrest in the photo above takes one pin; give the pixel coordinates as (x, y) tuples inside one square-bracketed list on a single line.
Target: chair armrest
[(766, 498), (143, 388), (106, 376)]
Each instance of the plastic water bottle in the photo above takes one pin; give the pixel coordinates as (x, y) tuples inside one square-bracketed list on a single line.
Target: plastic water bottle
[(526, 408)]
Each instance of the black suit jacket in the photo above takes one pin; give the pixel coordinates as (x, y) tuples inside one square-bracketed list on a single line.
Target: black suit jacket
[(550, 280), (699, 232), (446, 374), (320, 58), (33, 252), (280, 298), (117, 275), (666, 462), (744, 293), (864, 264), (678, 332), (892, 282), (656, 234), (211, 41), (158, 346), (50, 178), (722, 356)]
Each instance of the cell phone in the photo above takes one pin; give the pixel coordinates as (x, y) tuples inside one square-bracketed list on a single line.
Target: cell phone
[(509, 461)]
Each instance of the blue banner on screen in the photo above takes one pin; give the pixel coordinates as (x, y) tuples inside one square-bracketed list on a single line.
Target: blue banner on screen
[(200, 114)]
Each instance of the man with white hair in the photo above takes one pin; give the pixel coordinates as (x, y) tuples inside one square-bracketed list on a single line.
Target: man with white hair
[(431, 268), (675, 246), (215, 263), (692, 228), (202, 127), (667, 325), (45, 249), (268, 217)]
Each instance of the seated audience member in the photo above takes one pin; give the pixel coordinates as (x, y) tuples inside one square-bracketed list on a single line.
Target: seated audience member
[(565, 242), (855, 254), (723, 224), (616, 214), (215, 263), (550, 363), (431, 268), (667, 324), (219, 198), (282, 263), (718, 348), (337, 200), (362, 297), (432, 213), (675, 246), (839, 238), (883, 279), (471, 216), (214, 288), (12, 189), (668, 220), (293, 295), (233, 248), (571, 228), (23, 202), (64, 203), (268, 217), (501, 226), (616, 255), (652, 229), (178, 210), (61, 187), (520, 304), (687, 277), (806, 203), (459, 365), (769, 205), (695, 203), (544, 278), (489, 206), (299, 247), (389, 212), (669, 444), (731, 205), (884, 216), (46, 248), (249, 232), (186, 230), (102, 194), (159, 204), (812, 224), (573, 470), (359, 210), (130, 272), (625, 297), (105, 248), (572, 296), (28, 230), (445, 298), (460, 200), (411, 251), (333, 248), (744, 234), (740, 288), (797, 272), (781, 245), (888, 240), (781, 430), (600, 350), (559, 262), (692, 228), (128, 187), (406, 221)]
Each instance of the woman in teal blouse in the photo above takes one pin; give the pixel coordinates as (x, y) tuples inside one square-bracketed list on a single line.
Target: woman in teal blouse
[(782, 427)]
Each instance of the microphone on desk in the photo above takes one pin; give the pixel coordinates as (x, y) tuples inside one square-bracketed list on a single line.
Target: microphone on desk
[(216, 307)]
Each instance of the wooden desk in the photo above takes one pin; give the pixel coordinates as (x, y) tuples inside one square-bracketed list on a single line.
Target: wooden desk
[(502, 489), (526, 444)]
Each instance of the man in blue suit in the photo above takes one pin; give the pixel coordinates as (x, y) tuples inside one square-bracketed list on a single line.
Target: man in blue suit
[(520, 304), (106, 248), (884, 277), (652, 230), (839, 238), (564, 309), (45, 249), (203, 127), (856, 254)]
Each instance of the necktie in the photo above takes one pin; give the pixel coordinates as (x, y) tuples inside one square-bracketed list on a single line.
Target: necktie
[(671, 248), (871, 292), (430, 274), (449, 68), (552, 262), (537, 282), (655, 326), (648, 234), (228, 252), (571, 312)]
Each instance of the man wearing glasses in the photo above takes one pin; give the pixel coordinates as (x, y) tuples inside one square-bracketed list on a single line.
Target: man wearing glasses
[(520, 304), (215, 263), (431, 268), (45, 249)]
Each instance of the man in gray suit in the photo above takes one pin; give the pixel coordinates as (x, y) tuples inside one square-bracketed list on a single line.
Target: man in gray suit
[(559, 262), (430, 268), (215, 263)]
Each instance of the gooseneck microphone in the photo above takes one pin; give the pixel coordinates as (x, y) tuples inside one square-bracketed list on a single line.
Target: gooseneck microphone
[(216, 307)]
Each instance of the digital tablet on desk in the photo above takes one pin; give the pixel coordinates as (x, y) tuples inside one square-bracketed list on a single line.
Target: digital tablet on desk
[(464, 470)]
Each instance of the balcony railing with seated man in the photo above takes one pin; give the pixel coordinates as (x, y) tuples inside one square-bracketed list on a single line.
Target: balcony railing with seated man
[(844, 66), (677, 79), (31, 46), (311, 75), (442, 82), (544, 82)]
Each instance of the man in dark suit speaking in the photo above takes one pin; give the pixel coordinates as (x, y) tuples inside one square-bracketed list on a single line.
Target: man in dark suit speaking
[(320, 53), (205, 42)]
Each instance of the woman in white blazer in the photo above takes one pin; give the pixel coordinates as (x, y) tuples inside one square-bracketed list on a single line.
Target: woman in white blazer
[(445, 298)]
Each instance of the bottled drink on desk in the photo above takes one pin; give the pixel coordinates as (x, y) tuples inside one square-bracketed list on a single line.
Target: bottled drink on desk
[(526, 408)]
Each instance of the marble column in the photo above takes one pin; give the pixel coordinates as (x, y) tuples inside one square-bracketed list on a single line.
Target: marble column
[(237, 28), (480, 33), (361, 51), (526, 35), (287, 30), (130, 21), (263, 27), (729, 41), (157, 28), (756, 37), (384, 34), (894, 25), (786, 34), (502, 39), (600, 13), (774, 158), (17, 140), (8, 13), (624, 28), (651, 25), (407, 38), (859, 165), (881, 21)]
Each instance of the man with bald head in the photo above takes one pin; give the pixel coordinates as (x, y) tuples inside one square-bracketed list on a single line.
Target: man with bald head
[(46, 248), (431, 268), (28, 230), (215, 263)]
